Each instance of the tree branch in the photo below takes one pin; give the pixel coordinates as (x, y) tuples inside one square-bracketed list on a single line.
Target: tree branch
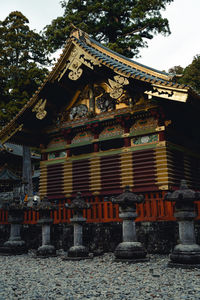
[(135, 31)]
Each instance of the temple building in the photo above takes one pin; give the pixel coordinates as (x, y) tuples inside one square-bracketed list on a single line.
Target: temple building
[(103, 121), (11, 165)]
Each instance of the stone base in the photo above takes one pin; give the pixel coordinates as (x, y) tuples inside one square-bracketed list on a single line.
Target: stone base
[(186, 254), (13, 248), (130, 250), (78, 251), (46, 251), (76, 258), (132, 261), (183, 266)]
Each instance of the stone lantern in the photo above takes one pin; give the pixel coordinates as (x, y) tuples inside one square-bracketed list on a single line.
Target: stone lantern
[(44, 208), (15, 245), (187, 251), (130, 249), (78, 204)]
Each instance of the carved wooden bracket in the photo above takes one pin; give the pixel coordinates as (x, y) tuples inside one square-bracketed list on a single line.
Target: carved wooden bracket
[(39, 108), (75, 60), (116, 86)]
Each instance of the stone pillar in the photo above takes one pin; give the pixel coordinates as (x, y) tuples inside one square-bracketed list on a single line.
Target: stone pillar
[(128, 227), (15, 245), (46, 249), (130, 249), (27, 171), (44, 208), (15, 232), (187, 251), (78, 234), (186, 232), (78, 251), (46, 234)]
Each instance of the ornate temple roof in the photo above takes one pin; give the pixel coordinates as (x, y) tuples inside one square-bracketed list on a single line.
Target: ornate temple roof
[(82, 51), (16, 150), (115, 61), (8, 175)]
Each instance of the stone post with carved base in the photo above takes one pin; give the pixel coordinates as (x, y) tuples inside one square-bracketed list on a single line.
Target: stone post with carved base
[(187, 252), (15, 245), (78, 251), (44, 208), (130, 249)]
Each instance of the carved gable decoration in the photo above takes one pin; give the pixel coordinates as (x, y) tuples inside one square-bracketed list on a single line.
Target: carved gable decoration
[(116, 86), (79, 111), (57, 142), (142, 125), (81, 137), (76, 59), (110, 131), (39, 109), (97, 98)]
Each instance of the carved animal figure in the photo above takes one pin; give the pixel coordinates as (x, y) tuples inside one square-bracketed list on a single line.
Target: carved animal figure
[(105, 102), (78, 111)]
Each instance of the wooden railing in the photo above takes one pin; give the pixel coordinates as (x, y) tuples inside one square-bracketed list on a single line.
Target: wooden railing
[(3, 216), (153, 209)]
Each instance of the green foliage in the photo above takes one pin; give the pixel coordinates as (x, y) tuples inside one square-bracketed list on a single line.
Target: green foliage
[(22, 56), (190, 75), (122, 25), (176, 70)]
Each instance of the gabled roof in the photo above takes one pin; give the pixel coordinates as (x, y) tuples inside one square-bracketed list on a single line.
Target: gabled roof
[(12, 148), (94, 55), (17, 150), (115, 61), (8, 175)]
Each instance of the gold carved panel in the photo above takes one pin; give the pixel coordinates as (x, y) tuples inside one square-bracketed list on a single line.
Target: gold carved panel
[(76, 59)]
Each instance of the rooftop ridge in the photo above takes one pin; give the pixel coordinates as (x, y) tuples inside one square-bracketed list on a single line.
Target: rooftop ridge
[(129, 59), (83, 37)]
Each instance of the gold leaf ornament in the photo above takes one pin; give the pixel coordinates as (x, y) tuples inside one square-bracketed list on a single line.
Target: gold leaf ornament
[(121, 80), (116, 89), (39, 108), (75, 74), (77, 58), (116, 86)]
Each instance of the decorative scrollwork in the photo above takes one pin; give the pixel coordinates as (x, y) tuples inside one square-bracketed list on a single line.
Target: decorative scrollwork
[(39, 108), (75, 74), (121, 80), (79, 111), (76, 59), (116, 86)]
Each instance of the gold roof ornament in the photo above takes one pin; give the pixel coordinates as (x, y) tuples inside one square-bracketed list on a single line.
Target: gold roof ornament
[(75, 60), (116, 86), (39, 108)]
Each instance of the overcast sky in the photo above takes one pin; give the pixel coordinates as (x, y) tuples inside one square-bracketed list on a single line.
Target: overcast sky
[(179, 48)]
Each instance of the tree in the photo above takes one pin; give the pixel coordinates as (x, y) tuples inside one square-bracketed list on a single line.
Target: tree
[(22, 60), (190, 74), (122, 25), (178, 70)]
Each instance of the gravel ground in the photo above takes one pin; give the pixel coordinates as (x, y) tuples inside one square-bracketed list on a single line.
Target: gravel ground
[(25, 277)]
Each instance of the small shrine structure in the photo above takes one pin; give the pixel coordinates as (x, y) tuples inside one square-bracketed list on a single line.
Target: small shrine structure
[(11, 170), (102, 122)]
